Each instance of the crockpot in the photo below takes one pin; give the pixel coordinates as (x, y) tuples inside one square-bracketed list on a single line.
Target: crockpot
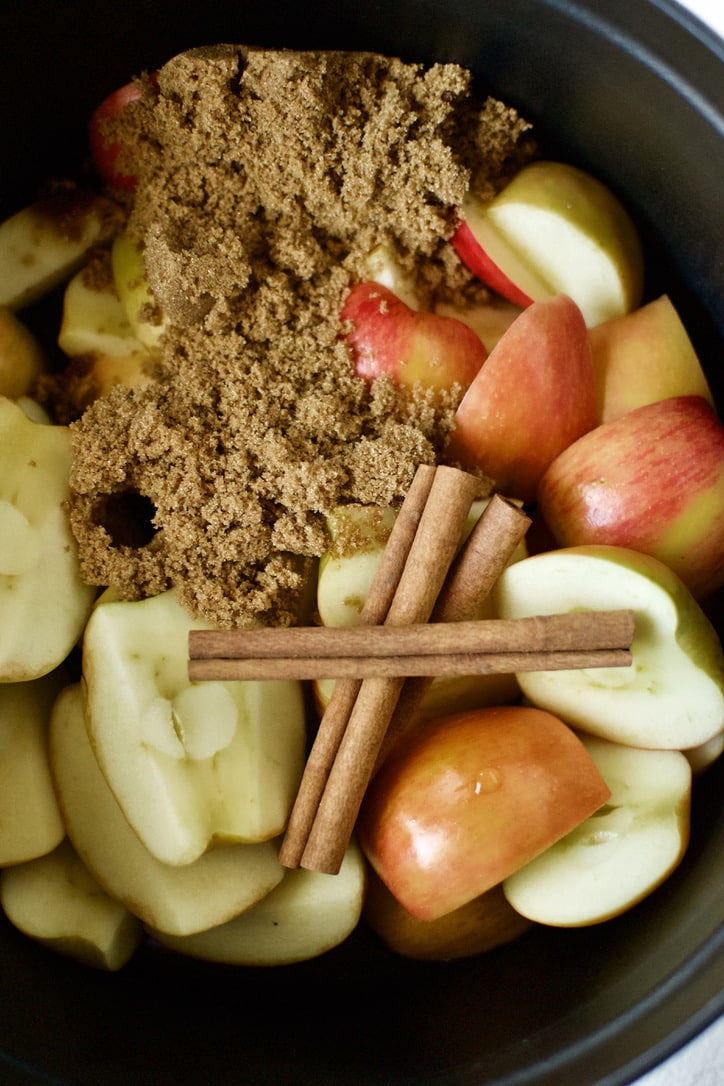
[(633, 91)]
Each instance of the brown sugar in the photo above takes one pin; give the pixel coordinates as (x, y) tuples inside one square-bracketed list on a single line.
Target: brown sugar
[(265, 179)]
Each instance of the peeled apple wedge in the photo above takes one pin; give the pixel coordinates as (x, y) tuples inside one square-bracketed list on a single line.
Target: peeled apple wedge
[(45, 243), (178, 900), (672, 696), (190, 765), (94, 321), (306, 915), (129, 276), (22, 359), (43, 601), (55, 901), (30, 820), (619, 855)]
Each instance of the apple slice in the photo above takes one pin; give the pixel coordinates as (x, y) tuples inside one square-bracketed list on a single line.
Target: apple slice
[(94, 321), (190, 765), (672, 696), (388, 338), (43, 244), (651, 480), (105, 151), (22, 359), (465, 800), (382, 266), (57, 902), (554, 229), (43, 601), (489, 320), (642, 357), (180, 900), (534, 396), (147, 322), (306, 915), (30, 821), (619, 855), (485, 922)]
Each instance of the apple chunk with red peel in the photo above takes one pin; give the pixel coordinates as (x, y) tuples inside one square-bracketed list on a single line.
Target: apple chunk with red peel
[(622, 853), (468, 799), (176, 899), (534, 396), (306, 915), (103, 148), (191, 764), (387, 337), (653, 481), (642, 357), (554, 229), (57, 902), (672, 696)]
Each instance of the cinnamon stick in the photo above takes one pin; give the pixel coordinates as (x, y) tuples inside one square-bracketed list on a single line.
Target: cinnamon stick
[(337, 714), (429, 560)]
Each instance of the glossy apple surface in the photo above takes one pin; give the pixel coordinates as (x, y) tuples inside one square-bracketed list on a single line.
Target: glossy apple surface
[(653, 481), (470, 798), (555, 229), (621, 853), (672, 696), (105, 150), (642, 357), (388, 337), (534, 396)]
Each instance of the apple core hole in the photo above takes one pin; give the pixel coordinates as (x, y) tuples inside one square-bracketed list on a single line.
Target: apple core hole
[(128, 517)]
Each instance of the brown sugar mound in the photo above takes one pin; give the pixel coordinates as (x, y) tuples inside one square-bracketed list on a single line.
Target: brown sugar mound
[(265, 179)]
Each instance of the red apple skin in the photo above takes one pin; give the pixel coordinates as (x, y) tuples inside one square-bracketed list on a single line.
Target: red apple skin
[(534, 396), (470, 798), (652, 481), (644, 356), (104, 151), (475, 258), (388, 337)]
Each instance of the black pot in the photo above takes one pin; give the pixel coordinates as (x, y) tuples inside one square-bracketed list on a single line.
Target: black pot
[(632, 90)]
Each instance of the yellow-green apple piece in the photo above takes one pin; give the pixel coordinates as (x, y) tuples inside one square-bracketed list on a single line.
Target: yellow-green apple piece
[(672, 695), (191, 765), (44, 603), (56, 901), (651, 480), (94, 322), (489, 320), (644, 356), (483, 923), (622, 853), (43, 244), (555, 229), (701, 757), (129, 276), (383, 266), (465, 800), (306, 915), (30, 819), (534, 396), (388, 338), (180, 900), (33, 410), (22, 359)]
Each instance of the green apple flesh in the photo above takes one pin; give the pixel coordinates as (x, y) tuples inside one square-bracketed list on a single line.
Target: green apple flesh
[(534, 396), (43, 601), (306, 915), (465, 800), (556, 229), (651, 480), (57, 902), (94, 321), (672, 696), (30, 820), (190, 764), (642, 357), (22, 359), (619, 855), (45, 243), (179, 900), (129, 276)]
